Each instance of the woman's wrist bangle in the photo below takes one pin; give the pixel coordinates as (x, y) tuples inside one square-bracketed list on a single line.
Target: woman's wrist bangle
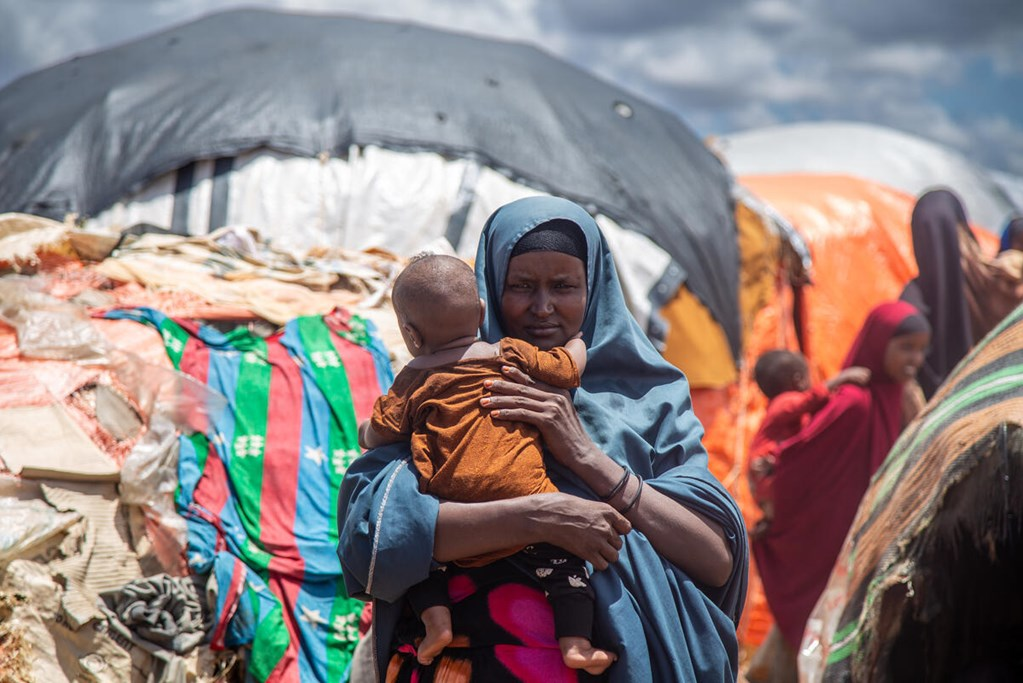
[(618, 487), (635, 499)]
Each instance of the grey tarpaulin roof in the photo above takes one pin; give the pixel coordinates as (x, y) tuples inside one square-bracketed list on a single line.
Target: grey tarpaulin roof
[(79, 136)]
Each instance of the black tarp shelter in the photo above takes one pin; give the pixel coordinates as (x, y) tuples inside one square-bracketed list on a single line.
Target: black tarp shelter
[(78, 136)]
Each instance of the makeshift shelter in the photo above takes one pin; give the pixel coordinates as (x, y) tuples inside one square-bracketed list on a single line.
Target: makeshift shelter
[(357, 133), (328, 135), (849, 191), (886, 156), (926, 587)]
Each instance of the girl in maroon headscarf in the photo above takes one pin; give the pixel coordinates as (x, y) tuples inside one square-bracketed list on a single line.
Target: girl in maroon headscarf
[(823, 472)]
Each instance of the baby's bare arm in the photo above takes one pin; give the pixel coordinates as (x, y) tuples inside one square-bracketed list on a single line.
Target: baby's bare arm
[(576, 348), (851, 375), (371, 438)]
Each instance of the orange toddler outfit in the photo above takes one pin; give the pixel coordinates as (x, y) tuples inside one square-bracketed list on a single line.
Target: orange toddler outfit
[(461, 452)]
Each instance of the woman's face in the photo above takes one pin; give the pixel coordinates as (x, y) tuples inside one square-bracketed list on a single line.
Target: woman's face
[(544, 298), (905, 354)]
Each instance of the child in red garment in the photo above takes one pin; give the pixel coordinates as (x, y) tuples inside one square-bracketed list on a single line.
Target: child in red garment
[(784, 378), (462, 454)]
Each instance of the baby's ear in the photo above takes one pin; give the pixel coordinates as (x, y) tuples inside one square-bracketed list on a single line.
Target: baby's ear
[(413, 335)]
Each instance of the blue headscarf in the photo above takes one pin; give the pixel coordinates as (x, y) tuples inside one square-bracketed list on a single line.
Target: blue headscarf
[(636, 408)]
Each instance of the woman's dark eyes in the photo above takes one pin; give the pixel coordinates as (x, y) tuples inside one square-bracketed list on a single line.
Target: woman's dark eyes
[(524, 287)]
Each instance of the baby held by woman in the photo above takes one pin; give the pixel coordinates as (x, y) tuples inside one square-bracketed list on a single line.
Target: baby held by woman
[(464, 454)]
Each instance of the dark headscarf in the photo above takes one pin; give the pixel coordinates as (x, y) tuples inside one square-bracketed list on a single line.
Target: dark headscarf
[(939, 291), (557, 235), (1012, 229)]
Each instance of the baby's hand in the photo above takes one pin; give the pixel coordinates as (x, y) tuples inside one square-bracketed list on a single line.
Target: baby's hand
[(854, 375), (762, 467)]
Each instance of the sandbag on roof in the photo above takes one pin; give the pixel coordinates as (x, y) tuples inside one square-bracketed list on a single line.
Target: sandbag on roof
[(79, 136)]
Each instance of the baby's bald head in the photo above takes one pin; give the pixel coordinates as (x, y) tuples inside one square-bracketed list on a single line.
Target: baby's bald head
[(437, 294)]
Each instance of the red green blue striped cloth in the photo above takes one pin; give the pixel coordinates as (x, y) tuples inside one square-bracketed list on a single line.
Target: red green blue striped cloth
[(259, 489)]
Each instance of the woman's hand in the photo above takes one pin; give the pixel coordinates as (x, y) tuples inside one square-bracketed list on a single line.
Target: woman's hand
[(673, 529), (585, 528), (549, 409)]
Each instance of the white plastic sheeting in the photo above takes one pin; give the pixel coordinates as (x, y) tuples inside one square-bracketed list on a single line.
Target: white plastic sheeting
[(399, 201), (374, 198), (899, 160)]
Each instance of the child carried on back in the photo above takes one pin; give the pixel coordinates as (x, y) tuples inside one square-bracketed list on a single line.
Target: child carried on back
[(463, 455), (784, 378)]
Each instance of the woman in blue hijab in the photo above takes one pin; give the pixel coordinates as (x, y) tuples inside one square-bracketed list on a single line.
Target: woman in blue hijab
[(637, 501)]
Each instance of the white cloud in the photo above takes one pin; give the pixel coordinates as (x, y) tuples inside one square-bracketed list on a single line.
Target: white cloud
[(775, 14), (1012, 186), (756, 115), (909, 60), (687, 57), (925, 119)]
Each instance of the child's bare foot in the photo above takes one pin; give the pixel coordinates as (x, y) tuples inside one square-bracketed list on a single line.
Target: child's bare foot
[(579, 653), (437, 620)]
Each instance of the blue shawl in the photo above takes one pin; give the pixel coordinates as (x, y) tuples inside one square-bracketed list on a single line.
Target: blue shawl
[(636, 408)]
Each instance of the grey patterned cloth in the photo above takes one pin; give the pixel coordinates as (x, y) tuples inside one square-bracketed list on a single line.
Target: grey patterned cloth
[(162, 609)]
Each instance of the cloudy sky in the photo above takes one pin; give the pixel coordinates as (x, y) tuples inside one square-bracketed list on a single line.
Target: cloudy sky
[(947, 70)]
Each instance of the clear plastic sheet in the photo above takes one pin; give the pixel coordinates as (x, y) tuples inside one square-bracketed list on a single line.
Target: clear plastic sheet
[(175, 403), (149, 475), (167, 402), (46, 326), (25, 524), (51, 329), (187, 403)]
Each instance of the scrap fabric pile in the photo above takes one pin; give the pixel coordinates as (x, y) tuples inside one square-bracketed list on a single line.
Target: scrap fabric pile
[(176, 415)]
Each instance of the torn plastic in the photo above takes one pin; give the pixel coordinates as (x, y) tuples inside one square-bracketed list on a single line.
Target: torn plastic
[(819, 633), (127, 394), (149, 473), (114, 412), (26, 524), (187, 403), (52, 329), (149, 477), (175, 403), (49, 328), (46, 326)]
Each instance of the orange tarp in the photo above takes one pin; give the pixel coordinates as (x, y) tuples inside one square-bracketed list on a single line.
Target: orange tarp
[(859, 236)]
